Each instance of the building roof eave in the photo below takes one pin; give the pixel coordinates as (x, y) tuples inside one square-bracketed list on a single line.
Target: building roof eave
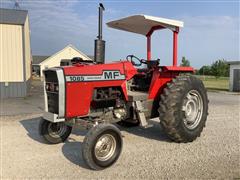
[(233, 62)]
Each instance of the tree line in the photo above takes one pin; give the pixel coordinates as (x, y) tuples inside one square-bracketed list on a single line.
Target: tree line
[(217, 68)]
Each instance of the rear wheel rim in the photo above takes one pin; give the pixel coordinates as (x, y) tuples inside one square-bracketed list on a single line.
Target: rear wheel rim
[(193, 109), (57, 130), (105, 147)]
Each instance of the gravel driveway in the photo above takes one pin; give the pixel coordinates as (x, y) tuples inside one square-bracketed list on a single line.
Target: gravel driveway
[(147, 153)]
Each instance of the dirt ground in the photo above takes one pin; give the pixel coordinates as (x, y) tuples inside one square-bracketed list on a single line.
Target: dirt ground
[(147, 153)]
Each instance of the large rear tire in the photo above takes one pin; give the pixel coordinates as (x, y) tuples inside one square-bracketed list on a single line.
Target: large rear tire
[(102, 146), (54, 133), (184, 108)]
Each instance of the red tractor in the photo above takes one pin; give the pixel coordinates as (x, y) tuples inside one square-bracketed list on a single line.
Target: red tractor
[(95, 95)]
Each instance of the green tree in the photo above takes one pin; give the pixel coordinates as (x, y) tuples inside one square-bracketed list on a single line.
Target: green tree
[(205, 70), (185, 62), (220, 68)]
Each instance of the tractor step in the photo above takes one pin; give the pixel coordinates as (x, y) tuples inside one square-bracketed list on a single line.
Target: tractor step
[(137, 96), (140, 113), (147, 126)]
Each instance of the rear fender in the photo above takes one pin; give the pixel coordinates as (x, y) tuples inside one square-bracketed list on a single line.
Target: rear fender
[(162, 76)]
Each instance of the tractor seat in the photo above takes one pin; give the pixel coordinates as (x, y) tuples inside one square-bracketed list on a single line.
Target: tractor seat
[(152, 63), (143, 70)]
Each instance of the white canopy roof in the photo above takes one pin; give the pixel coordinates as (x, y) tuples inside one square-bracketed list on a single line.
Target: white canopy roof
[(142, 24)]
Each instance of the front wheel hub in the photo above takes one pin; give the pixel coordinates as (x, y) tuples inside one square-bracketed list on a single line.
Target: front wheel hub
[(105, 147), (57, 129)]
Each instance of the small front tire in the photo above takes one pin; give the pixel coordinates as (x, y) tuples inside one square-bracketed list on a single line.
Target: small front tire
[(54, 133), (102, 146)]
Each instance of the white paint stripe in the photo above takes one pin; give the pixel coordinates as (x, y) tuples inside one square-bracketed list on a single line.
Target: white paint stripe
[(106, 75)]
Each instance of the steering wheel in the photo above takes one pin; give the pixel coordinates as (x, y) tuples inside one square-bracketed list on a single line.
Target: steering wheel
[(135, 60)]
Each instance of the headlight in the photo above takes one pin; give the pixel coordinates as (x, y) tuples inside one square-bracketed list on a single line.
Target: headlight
[(56, 88), (51, 87), (47, 87)]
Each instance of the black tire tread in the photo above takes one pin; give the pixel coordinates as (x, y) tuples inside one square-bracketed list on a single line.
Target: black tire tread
[(90, 139), (43, 124), (169, 107)]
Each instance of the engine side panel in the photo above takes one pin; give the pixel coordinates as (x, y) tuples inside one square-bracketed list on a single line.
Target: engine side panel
[(81, 81)]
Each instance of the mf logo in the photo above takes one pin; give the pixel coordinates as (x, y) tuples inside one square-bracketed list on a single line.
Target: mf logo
[(111, 74)]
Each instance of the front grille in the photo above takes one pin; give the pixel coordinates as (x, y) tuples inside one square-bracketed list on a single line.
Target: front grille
[(51, 80)]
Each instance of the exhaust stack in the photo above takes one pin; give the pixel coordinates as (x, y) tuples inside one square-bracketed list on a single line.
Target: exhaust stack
[(99, 48)]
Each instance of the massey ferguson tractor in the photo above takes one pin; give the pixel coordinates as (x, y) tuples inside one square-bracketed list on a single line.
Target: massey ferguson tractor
[(96, 96)]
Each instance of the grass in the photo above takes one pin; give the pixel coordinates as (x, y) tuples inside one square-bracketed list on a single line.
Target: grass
[(212, 83)]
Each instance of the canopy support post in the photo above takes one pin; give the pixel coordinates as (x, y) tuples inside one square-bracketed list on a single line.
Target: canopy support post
[(149, 47), (175, 46)]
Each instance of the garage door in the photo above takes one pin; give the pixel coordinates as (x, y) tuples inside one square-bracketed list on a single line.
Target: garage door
[(236, 80)]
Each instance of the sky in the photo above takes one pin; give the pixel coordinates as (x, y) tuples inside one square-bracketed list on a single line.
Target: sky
[(210, 32)]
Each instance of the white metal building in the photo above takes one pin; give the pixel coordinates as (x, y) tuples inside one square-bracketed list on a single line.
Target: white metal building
[(234, 79), (15, 53), (57, 59)]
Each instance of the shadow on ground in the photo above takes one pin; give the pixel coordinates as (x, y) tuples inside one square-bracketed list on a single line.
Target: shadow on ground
[(72, 149), (31, 126), (155, 132), (73, 152)]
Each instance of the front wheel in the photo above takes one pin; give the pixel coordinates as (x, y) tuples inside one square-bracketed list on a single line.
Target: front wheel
[(54, 133), (184, 108), (102, 146)]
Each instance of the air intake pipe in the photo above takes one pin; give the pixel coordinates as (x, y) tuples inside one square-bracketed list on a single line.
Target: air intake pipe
[(99, 48)]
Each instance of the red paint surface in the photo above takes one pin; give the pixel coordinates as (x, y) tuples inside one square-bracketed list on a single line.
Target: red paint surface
[(148, 35), (149, 48), (175, 47), (177, 69), (79, 94)]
